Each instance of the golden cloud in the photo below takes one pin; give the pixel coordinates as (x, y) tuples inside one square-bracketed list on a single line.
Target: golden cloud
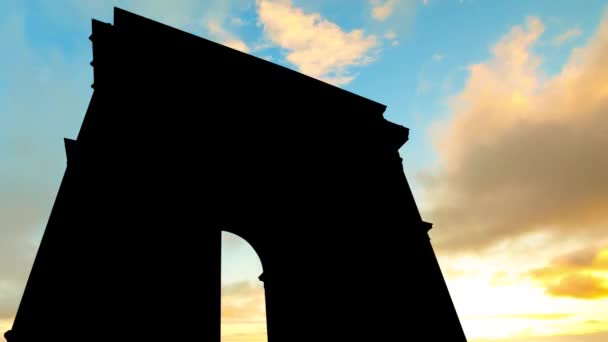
[(584, 286), (527, 316), (243, 302), (382, 9), (580, 274), (317, 46), (599, 336), (522, 152), (249, 332)]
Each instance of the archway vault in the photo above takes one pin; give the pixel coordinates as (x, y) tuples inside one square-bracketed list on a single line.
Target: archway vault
[(243, 299)]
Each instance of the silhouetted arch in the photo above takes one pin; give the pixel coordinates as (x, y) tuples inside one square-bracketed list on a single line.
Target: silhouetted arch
[(184, 137)]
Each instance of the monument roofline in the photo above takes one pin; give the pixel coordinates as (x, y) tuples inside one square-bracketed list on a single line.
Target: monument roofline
[(125, 20)]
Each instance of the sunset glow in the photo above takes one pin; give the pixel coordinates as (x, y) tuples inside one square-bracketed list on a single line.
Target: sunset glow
[(507, 105)]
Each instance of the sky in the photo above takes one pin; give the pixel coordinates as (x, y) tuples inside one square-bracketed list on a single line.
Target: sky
[(507, 105)]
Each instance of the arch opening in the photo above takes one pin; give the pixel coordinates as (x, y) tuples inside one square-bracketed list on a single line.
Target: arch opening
[(243, 302)]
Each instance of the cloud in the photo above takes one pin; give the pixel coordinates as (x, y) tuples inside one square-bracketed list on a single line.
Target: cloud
[(390, 35), (262, 45), (582, 286), (237, 21), (569, 35), (20, 230), (502, 278), (382, 9), (225, 37), (243, 302), (528, 316), (521, 152), (392, 16), (245, 332), (599, 336), (317, 46), (237, 45), (437, 57), (590, 257), (581, 274)]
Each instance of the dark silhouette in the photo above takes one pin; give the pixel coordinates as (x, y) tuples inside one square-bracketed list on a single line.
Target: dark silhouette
[(184, 138)]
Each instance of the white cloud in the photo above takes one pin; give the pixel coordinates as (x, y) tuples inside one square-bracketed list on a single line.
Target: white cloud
[(262, 45), (317, 46), (437, 57), (225, 37)]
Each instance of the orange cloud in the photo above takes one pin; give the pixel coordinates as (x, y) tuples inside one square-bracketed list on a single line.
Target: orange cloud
[(522, 152)]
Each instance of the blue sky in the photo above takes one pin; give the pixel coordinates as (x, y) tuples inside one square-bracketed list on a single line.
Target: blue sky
[(416, 57), (405, 77)]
